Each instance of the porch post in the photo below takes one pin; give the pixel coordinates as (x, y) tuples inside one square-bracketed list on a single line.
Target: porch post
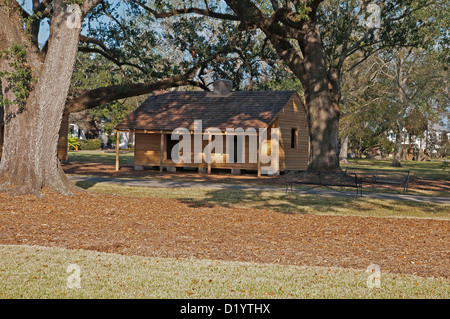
[(209, 142), (162, 150), (258, 157), (117, 149)]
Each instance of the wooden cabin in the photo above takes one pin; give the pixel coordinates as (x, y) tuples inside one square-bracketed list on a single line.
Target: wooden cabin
[(155, 120)]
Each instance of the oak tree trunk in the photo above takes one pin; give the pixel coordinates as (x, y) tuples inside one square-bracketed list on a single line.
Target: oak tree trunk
[(344, 151), (309, 67), (321, 98), (29, 160), (396, 159)]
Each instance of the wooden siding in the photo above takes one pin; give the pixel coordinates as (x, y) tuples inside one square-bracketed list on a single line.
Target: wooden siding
[(293, 116), (147, 151)]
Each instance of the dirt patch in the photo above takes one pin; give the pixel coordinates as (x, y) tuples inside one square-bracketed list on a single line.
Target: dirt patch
[(172, 228)]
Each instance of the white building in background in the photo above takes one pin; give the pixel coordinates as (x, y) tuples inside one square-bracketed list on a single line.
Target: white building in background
[(103, 137), (76, 131), (430, 138), (124, 140)]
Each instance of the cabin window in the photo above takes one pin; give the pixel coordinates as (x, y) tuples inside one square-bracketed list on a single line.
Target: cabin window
[(294, 138)]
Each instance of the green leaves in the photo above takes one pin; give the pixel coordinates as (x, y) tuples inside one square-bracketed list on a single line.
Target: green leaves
[(79, 2), (21, 77), (73, 142)]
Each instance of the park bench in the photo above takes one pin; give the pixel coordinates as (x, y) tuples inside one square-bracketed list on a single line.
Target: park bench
[(385, 177), (343, 179)]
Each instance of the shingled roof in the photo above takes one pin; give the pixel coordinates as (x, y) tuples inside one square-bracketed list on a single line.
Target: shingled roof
[(239, 109)]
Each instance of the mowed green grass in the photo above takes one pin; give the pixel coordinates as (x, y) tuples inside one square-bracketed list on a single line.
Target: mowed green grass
[(295, 203), (428, 169), (101, 157), (38, 272)]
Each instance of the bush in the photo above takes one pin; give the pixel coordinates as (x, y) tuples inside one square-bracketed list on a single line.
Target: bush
[(73, 142), (445, 165), (90, 145)]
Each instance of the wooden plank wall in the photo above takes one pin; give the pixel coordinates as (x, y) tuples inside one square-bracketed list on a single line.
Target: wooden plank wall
[(292, 116), (147, 151)]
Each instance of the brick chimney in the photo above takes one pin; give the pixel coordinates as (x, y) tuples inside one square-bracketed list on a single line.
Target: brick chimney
[(222, 86)]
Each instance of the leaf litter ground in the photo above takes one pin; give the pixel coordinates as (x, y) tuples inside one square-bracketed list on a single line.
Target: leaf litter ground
[(162, 227)]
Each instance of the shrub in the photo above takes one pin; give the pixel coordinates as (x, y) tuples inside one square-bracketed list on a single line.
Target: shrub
[(90, 145), (445, 165), (73, 142)]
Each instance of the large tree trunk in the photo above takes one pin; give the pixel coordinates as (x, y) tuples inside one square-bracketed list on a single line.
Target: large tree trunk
[(344, 151), (323, 131), (29, 160), (396, 160), (322, 100), (309, 67)]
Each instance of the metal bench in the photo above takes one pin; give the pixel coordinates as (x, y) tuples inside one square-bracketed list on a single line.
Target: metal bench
[(387, 177), (329, 180)]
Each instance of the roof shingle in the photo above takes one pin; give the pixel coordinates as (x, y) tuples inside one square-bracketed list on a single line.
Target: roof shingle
[(240, 109)]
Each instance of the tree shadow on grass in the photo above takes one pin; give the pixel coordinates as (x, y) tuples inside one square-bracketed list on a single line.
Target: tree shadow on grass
[(407, 205), (85, 185), (276, 201), (303, 203)]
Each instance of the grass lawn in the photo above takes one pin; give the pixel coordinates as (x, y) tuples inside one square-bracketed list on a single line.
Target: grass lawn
[(38, 272), (279, 201), (101, 157), (431, 169)]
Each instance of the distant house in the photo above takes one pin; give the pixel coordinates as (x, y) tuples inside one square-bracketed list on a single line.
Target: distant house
[(430, 139), (155, 120), (75, 130)]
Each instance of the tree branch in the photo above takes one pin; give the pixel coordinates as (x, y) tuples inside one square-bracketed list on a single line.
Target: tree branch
[(109, 15), (100, 96), (88, 5), (105, 52), (44, 5), (109, 57), (172, 13), (408, 12), (12, 31), (313, 5)]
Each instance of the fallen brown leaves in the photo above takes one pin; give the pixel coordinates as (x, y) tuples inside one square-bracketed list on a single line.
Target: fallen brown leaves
[(171, 228)]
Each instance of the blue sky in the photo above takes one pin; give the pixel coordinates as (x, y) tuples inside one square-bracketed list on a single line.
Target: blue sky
[(45, 28)]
